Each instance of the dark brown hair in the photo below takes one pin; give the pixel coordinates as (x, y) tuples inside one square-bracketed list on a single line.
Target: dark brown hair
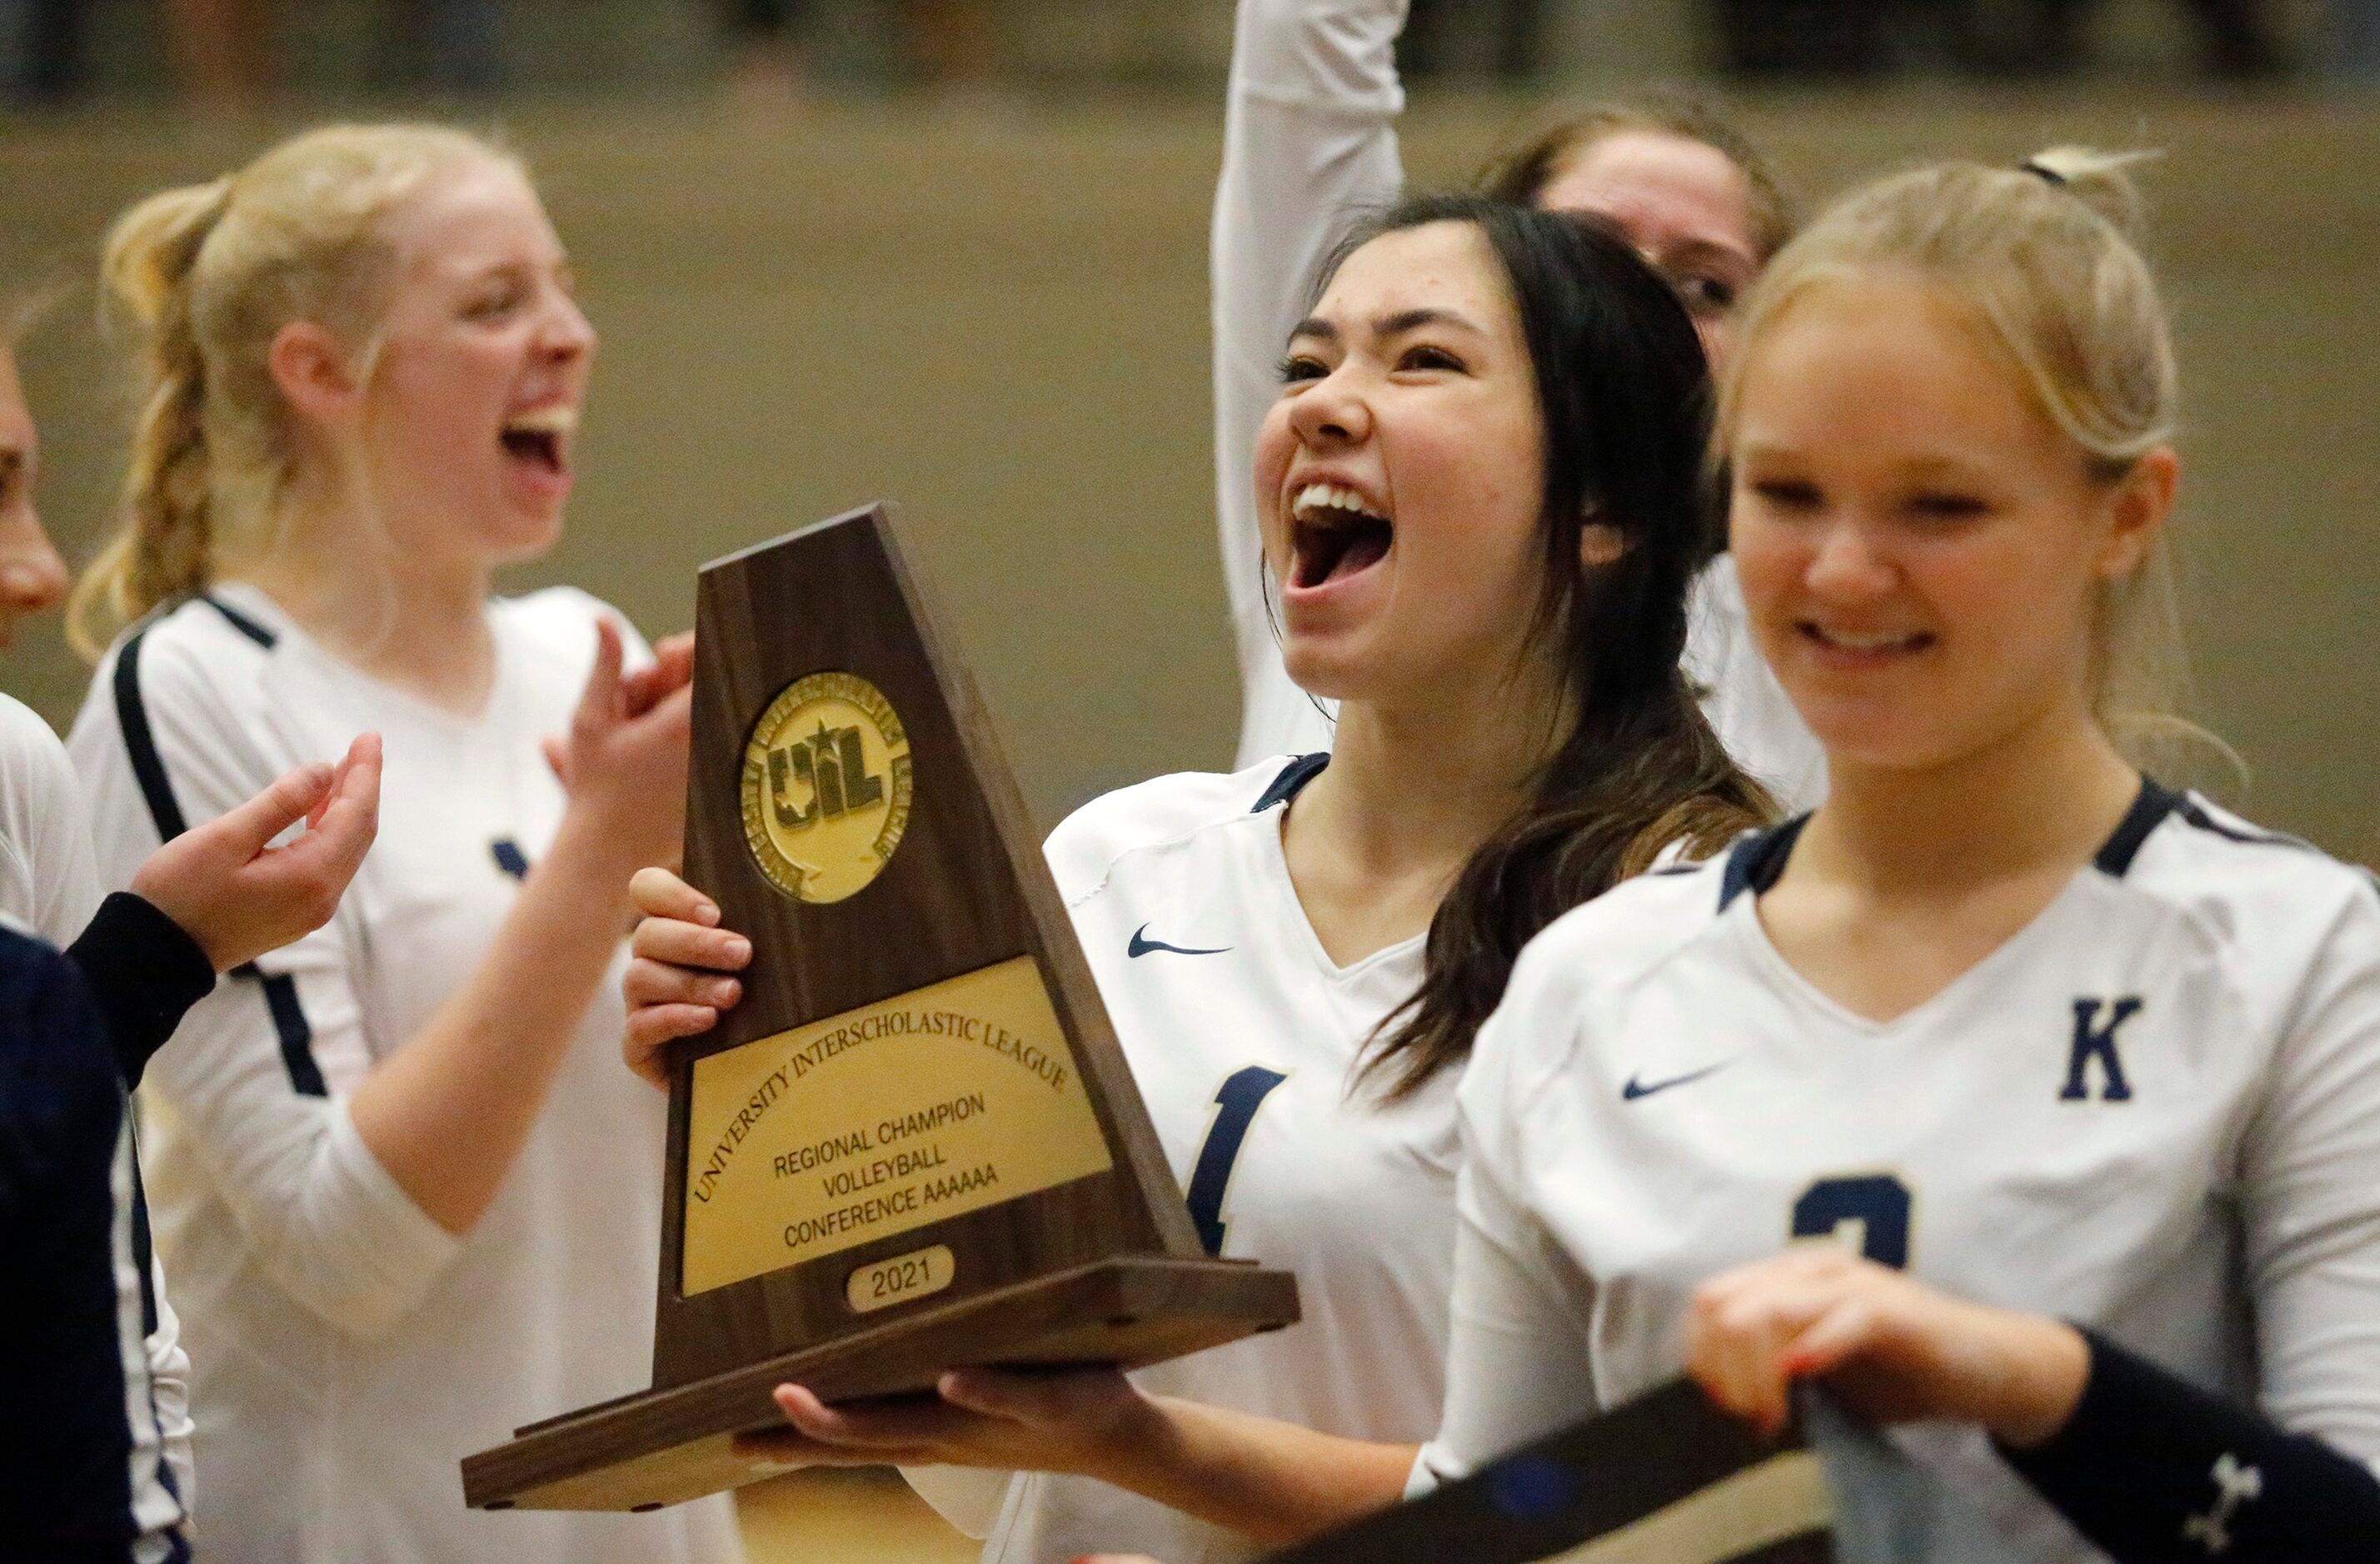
[(1626, 398), (1524, 174)]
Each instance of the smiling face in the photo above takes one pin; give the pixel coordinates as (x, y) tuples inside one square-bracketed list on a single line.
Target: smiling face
[(1922, 550), (1682, 203), (32, 577), (1400, 475), (470, 420)]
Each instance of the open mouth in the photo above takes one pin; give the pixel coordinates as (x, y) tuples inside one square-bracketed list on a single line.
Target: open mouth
[(540, 439), (1865, 643), (1333, 536)]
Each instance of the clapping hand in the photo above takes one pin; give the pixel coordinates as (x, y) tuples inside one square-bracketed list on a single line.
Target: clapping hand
[(237, 894)]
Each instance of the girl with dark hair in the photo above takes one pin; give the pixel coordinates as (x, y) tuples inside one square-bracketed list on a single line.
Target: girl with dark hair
[(1310, 136), (1480, 483)]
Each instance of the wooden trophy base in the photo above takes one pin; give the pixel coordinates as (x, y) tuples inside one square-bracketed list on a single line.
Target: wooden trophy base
[(665, 1447)]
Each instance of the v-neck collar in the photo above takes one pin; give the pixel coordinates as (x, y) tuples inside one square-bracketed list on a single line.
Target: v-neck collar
[(253, 610), (1757, 862), (1273, 864)]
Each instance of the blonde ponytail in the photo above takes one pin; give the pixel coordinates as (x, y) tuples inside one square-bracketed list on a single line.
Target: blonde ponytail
[(207, 277), (161, 553)]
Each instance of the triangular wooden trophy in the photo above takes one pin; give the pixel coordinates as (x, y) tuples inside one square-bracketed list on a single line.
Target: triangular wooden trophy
[(915, 1145)]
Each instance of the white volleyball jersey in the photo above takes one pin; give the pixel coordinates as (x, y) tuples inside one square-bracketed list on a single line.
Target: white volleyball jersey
[(48, 881), (2155, 1111), (1241, 1033), (1309, 141), (349, 1351)]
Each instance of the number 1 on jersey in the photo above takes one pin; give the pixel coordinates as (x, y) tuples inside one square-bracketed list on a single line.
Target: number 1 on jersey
[(1871, 1210), (1235, 1110)]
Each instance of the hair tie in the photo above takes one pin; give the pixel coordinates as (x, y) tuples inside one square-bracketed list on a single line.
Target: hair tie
[(2047, 172)]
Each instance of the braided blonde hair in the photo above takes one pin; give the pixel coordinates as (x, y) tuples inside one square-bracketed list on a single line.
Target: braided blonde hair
[(2046, 258), (208, 275)]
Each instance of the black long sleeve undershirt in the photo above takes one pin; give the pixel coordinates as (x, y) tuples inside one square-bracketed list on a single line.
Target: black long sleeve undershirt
[(2155, 1470), (145, 971)]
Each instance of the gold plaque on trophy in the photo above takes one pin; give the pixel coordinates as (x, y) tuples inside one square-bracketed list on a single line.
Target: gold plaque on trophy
[(881, 1121)]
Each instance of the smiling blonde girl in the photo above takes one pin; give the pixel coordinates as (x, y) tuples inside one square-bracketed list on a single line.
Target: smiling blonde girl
[(2019, 1097), (406, 1196)]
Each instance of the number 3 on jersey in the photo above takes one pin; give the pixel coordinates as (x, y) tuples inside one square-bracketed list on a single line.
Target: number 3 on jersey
[(1870, 1210), (1235, 1110)]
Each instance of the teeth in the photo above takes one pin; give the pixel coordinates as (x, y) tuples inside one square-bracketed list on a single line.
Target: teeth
[(557, 419), (1327, 496), (1865, 643)]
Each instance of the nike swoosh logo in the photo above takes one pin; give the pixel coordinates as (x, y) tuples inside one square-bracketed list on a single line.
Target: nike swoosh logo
[(1635, 1088), (1142, 944)]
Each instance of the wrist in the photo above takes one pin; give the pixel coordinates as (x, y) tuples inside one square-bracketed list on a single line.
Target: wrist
[(2044, 1365), (592, 849), (1127, 1447)]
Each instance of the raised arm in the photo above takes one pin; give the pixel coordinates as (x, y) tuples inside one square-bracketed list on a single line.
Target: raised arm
[(1309, 137)]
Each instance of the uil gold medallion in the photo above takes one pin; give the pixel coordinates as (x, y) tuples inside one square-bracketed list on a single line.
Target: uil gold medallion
[(826, 786)]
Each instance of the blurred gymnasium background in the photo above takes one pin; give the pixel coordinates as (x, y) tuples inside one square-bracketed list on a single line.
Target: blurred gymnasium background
[(952, 253)]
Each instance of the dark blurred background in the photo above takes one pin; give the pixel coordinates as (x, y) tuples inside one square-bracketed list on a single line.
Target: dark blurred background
[(952, 252)]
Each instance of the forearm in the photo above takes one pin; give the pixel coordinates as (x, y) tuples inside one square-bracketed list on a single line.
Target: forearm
[(2157, 1471), (448, 1113), (1266, 1479), (145, 971)]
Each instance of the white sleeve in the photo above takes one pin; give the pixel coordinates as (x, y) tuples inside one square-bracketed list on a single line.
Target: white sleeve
[(53, 886), (1309, 137), (969, 1498), (259, 1072), (1517, 1360), (2311, 1185), (169, 1389)]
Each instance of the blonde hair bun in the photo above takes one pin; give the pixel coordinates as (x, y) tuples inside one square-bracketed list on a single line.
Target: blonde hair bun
[(2102, 181)]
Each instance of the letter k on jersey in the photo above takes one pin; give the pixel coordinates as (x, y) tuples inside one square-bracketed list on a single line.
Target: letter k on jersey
[(2092, 1041)]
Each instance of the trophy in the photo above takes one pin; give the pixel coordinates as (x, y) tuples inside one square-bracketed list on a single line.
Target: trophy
[(916, 1144)]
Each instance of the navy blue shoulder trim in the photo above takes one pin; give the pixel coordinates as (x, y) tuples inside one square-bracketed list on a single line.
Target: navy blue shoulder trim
[(289, 1024), (241, 621), (1757, 859), (2150, 806), (2197, 814), (140, 744), (295, 1032), (1293, 779)]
